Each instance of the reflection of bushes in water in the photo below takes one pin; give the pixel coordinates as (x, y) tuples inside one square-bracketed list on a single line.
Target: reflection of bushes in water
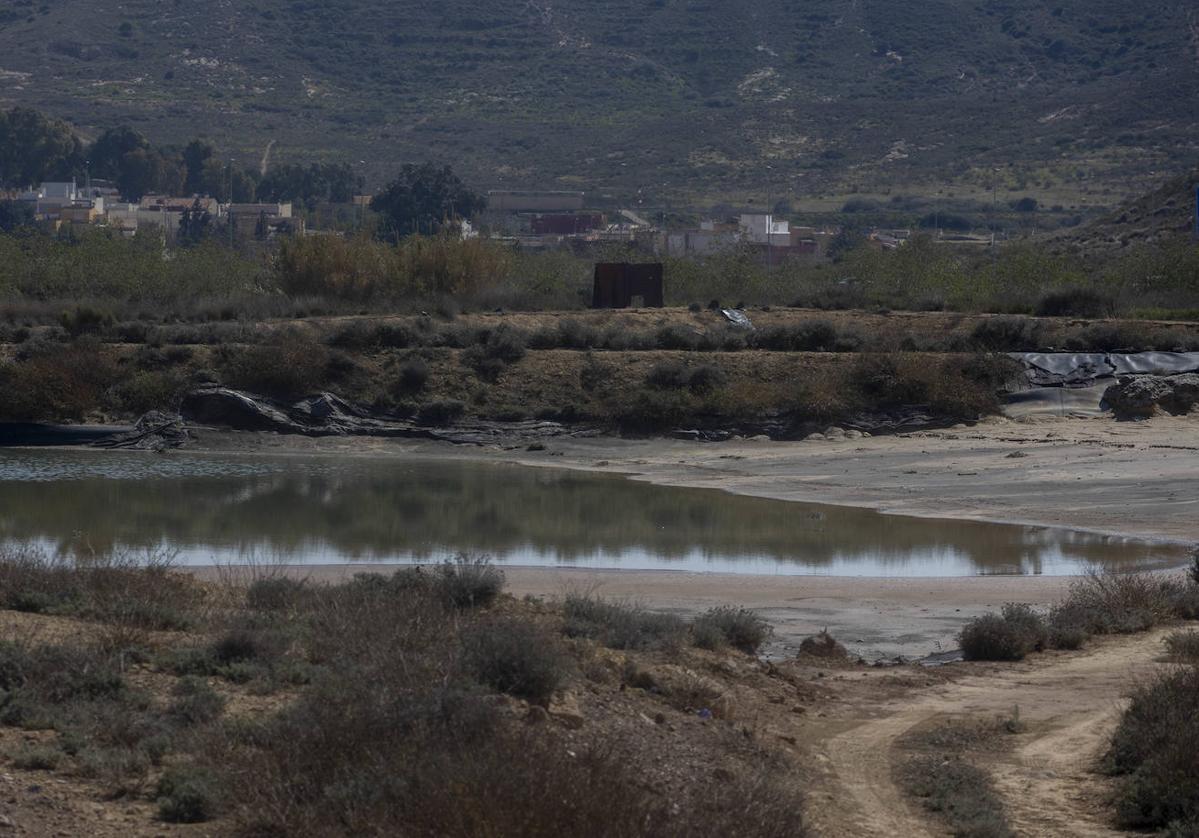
[(369, 510)]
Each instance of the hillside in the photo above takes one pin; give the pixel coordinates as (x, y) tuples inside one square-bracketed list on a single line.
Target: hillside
[(678, 98), (1165, 214)]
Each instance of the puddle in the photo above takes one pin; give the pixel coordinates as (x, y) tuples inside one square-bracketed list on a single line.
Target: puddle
[(327, 510)]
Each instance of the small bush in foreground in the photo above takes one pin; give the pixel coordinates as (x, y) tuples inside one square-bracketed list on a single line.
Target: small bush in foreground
[(1076, 302), (36, 758), (1122, 603), (823, 645), (737, 627), (276, 593), (195, 702), (517, 658), (413, 377), (1007, 334), (621, 625), (1028, 621), (188, 795), (1184, 645), (992, 638), (441, 412), (469, 581), (1156, 745), (110, 588)]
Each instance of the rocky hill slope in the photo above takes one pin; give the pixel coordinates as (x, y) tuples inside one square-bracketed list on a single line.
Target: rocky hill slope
[(668, 97)]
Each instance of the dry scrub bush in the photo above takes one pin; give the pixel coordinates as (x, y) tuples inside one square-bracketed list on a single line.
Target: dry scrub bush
[(619, 625), (1007, 334), (1122, 603), (116, 588), (416, 267), (290, 365), (948, 386), (726, 625), (1097, 603), (960, 792), (1005, 637), (447, 765), (1184, 645), (517, 658), (56, 381), (1156, 745), (399, 731), (397, 735)]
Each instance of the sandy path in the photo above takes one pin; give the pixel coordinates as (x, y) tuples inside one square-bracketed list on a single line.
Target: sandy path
[(1069, 701)]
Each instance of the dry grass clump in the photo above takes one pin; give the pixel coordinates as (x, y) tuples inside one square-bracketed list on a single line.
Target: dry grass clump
[(1008, 636), (55, 381), (290, 365), (1124, 603), (517, 658), (1184, 646), (620, 625), (729, 626), (1097, 603), (960, 792), (143, 592), (941, 774), (106, 730)]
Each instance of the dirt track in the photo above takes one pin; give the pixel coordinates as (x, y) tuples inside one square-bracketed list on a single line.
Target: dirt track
[(1048, 782)]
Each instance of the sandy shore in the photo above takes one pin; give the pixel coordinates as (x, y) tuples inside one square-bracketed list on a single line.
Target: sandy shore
[(1135, 479)]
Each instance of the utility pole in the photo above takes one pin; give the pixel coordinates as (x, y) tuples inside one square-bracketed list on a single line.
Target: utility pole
[(229, 210), (1197, 212), (769, 218)]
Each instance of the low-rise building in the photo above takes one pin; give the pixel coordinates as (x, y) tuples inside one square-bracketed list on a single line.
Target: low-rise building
[(765, 229), (271, 211), (504, 200), (567, 224)]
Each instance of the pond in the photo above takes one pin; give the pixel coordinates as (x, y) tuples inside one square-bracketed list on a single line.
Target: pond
[(208, 509)]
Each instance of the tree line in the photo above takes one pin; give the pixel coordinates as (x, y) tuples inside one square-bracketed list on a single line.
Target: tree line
[(423, 199), (35, 148)]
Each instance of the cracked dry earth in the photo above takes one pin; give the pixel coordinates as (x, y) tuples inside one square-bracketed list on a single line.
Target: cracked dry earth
[(1048, 781)]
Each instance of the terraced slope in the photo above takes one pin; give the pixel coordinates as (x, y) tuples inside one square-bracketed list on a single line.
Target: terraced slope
[(667, 96)]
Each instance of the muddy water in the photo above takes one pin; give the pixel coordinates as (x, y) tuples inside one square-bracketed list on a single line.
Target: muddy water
[(211, 509)]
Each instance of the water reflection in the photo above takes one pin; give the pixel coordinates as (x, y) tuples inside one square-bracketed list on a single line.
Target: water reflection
[(329, 510)]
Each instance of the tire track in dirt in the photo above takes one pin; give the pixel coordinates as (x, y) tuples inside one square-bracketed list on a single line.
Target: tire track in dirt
[(1070, 703)]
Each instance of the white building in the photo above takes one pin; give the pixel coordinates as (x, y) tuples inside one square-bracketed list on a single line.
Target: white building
[(765, 229)]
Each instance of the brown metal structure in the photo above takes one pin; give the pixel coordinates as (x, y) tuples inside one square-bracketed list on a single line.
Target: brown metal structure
[(617, 283)]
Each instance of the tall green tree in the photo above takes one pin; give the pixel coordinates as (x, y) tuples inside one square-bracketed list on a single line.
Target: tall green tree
[(106, 154), (425, 199), (334, 182), (34, 148), (195, 224), (14, 215), (195, 156)]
